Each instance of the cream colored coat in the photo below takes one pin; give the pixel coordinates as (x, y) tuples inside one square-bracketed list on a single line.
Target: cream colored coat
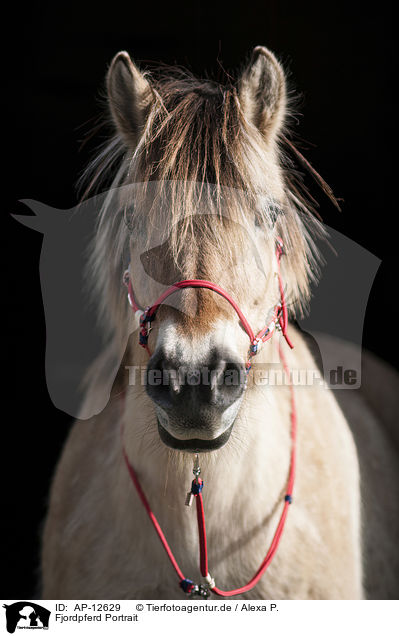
[(99, 543)]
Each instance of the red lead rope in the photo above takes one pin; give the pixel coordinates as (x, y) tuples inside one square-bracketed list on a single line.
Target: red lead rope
[(280, 526), (151, 515), (280, 316), (185, 583)]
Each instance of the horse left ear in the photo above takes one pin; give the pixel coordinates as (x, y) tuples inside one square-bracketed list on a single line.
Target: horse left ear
[(262, 92), (129, 98)]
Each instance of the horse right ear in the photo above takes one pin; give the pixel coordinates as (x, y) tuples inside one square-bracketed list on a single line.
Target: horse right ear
[(129, 98), (262, 93)]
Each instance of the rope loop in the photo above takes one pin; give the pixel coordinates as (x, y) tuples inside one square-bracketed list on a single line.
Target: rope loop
[(197, 486)]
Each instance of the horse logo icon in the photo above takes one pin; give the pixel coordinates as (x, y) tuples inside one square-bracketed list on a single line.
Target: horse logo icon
[(26, 615)]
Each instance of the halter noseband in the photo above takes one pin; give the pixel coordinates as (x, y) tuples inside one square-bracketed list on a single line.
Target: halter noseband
[(279, 318)]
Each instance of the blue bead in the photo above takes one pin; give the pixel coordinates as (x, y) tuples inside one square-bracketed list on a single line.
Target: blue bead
[(187, 585), (288, 498), (196, 488)]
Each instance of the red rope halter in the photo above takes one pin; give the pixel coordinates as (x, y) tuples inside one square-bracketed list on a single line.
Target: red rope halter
[(279, 317), (280, 314)]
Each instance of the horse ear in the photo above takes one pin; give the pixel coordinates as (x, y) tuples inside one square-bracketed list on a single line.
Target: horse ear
[(262, 92), (129, 98)]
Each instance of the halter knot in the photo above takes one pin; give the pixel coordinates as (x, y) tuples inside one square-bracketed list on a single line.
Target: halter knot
[(197, 486), (192, 589), (280, 246), (145, 318), (187, 585), (253, 348), (143, 337)]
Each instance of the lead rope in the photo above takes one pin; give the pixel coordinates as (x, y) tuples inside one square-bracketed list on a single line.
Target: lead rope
[(187, 585), (279, 319), (280, 526)]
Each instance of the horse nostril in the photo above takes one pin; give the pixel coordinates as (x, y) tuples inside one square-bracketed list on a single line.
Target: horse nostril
[(228, 383), (217, 384), (162, 384)]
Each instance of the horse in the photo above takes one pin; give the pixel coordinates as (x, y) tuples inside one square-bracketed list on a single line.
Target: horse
[(203, 191)]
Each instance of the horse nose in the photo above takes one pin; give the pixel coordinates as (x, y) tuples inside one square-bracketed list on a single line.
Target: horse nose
[(176, 386)]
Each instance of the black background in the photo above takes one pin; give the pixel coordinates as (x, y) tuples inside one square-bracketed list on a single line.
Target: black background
[(341, 59)]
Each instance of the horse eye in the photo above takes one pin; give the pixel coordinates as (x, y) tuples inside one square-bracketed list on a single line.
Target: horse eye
[(274, 212), (270, 215)]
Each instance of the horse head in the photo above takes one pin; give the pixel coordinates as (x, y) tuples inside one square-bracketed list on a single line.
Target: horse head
[(202, 194)]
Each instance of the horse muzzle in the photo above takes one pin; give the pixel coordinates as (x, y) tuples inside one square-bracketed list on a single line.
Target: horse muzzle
[(196, 406)]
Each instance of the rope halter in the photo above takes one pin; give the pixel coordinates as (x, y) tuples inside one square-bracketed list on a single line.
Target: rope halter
[(279, 318)]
